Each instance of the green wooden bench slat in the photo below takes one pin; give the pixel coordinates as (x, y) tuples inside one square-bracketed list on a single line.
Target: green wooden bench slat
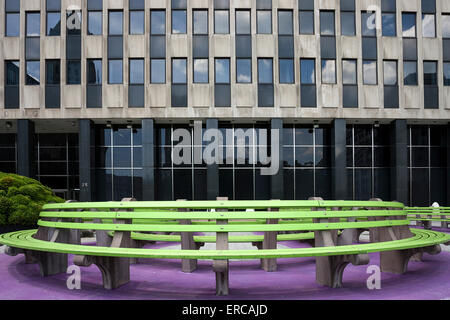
[(223, 228), (24, 240)]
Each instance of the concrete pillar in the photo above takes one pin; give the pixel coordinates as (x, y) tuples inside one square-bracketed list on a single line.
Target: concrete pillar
[(277, 180), (148, 159), (87, 159), (212, 170), (339, 159), (399, 161), (448, 164), (26, 144)]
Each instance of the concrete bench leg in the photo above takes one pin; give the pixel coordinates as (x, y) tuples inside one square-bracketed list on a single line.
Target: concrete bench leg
[(222, 277), (270, 242)]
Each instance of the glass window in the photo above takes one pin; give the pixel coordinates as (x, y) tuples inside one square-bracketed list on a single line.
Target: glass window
[(306, 22), (409, 25), (221, 21), (368, 24), (179, 21), (12, 73), (286, 70), (115, 71), (349, 71), (94, 71), (73, 22), (52, 71), (12, 24), (158, 71), (158, 22), (446, 73), (243, 70), (328, 71), (307, 71), (390, 73), (73, 72), (410, 73), (264, 21), (222, 70), (33, 75), (430, 73), (265, 71), (200, 22), (445, 25), (285, 24), (33, 24), (243, 22), (179, 74), (95, 22), (389, 24), (137, 19), (115, 22), (348, 23), (327, 23), (53, 23), (428, 26), (370, 72), (201, 71), (137, 71)]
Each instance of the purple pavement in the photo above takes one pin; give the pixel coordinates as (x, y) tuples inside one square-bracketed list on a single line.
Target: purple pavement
[(295, 279)]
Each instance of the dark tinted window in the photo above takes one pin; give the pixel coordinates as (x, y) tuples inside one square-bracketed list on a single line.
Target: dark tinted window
[(73, 72), (12, 73), (52, 71), (94, 71)]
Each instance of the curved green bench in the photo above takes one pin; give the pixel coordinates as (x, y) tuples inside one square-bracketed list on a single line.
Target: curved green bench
[(426, 215), (334, 225)]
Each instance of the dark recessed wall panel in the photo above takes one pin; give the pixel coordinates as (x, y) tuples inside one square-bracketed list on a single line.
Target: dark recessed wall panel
[(222, 95), (243, 46), (265, 95), (410, 49), (286, 46), (391, 97), (179, 95), (158, 46), (328, 47), (308, 96), (115, 47), (73, 48), (200, 46), (12, 97), (369, 48), (32, 48), (136, 96), (94, 97), (52, 97)]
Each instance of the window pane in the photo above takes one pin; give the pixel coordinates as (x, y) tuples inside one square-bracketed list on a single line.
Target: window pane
[(430, 73), (445, 26), (244, 70), (137, 22), (410, 73), (95, 22), (327, 23), (158, 71), (348, 23), (115, 22), (286, 71), (221, 21), (115, 71), (33, 24), (179, 21), (307, 71), (370, 72), (265, 71), (200, 22), (409, 25), (94, 71), (285, 24), (201, 70), (12, 24), (306, 21), (73, 72), (368, 24), (428, 25), (33, 73), (53, 72), (328, 71), (12, 73), (446, 73), (243, 22), (53, 24), (73, 22), (158, 22), (179, 71), (264, 23), (349, 71), (222, 70), (136, 71), (389, 24), (390, 72)]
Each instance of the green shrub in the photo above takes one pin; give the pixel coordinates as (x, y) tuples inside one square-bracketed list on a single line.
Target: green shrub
[(22, 198)]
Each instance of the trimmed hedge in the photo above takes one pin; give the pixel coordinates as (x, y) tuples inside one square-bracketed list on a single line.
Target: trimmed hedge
[(22, 198)]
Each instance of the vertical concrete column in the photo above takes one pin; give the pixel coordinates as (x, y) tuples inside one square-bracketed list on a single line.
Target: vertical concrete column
[(339, 159), (212, 171), (277, 180), (448, 164), (399, 161), (148, 159), (87, 159), (25, 147)]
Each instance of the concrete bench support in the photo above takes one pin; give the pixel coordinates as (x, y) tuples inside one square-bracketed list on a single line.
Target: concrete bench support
[(221, 267), (270, 242), (187, 243)]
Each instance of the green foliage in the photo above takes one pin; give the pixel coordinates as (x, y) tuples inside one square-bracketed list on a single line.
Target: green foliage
[(22, 198)]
